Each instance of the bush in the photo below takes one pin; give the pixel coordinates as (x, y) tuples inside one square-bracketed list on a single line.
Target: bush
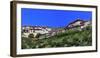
[(31, 36), (38, 35)]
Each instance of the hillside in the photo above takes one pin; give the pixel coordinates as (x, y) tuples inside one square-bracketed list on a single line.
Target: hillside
[(67, 39)]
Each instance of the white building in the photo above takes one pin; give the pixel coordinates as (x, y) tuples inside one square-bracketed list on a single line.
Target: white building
[(26, 30), (78, 23)]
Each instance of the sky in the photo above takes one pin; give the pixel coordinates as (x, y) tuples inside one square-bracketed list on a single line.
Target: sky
[(52, 18)]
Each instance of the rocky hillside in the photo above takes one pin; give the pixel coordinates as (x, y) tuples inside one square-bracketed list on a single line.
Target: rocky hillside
[(67, 39)]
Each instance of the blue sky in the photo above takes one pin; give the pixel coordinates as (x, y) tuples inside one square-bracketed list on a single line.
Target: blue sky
[(52, 18)]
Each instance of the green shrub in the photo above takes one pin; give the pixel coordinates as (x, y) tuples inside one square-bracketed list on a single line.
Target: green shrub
[(31, 36), (38, 35)]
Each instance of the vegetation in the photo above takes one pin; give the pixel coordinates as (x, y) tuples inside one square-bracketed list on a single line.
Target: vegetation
[(31, 36), (66, 39)]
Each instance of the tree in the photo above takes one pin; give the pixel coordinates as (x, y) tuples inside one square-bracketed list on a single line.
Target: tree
[(31, 35), (38, 35)]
